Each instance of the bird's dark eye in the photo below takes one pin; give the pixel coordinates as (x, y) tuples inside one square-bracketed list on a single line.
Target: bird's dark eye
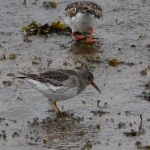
[(89, 78)]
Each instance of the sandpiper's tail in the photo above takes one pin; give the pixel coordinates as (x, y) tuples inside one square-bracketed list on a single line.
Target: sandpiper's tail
[(23, 77)]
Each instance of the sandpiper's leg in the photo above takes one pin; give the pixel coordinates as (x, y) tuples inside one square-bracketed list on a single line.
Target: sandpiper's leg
[(90, 38), (55, 106), (77, 37)]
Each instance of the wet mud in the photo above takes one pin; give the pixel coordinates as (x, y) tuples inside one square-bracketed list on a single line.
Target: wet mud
[(120, 60)]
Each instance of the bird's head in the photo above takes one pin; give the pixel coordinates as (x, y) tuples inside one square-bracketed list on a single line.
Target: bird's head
[(88, 78)]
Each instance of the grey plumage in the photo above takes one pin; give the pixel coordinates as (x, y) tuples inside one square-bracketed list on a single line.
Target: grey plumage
[(60, 84), (60, 78)]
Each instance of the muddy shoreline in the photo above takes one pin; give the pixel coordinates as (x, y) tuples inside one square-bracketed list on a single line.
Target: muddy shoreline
[(25, 120)]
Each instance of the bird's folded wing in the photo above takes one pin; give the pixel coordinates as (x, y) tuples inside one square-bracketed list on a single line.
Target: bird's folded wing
[(54, 78), (79, 6)]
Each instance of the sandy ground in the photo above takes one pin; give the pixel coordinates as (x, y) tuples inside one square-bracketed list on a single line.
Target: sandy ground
[(26, 123)]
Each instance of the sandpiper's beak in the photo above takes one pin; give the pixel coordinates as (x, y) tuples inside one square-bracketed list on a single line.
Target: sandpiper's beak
[(95, 86)]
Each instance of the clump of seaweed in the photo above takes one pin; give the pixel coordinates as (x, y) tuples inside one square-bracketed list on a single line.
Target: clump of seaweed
[(7, 83), (99, 113), (146, 147), (88, 145), (147, 85), (3, 135), (55, 27), (146, 95), (50, 4), (132, 133), (115, 62), (140, 146), (31, 29), (144, 72), (13, 56)]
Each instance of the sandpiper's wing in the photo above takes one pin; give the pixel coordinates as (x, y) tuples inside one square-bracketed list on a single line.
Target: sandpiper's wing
[(57, 78), (81, 6)]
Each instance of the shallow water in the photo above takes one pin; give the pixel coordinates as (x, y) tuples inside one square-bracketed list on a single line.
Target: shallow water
[(123, 33)]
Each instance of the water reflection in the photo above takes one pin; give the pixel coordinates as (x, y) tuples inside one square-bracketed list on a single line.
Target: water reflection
[(86, 55), (83, 47)]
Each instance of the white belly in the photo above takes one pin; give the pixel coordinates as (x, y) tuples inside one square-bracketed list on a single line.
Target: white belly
[(81, 22), (52, 92), (64, 95)]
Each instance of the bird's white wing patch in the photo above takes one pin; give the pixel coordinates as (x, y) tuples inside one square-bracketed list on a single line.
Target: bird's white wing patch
[(42, 86), (68, 21)]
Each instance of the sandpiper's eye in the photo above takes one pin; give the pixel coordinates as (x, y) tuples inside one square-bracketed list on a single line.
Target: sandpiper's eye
[(89, 78)]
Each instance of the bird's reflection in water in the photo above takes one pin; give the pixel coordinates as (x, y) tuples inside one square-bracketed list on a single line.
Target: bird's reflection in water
[(86, 54), (83, 47)]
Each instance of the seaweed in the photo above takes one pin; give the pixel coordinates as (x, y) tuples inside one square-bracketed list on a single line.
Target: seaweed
[(50, 4), (7, 83), (36, 29), (144, 72), (146, 95), (132, 133), (12, 56), (114, 62)]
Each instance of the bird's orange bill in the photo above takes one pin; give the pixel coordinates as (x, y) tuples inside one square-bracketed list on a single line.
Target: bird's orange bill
[(95, 86)]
